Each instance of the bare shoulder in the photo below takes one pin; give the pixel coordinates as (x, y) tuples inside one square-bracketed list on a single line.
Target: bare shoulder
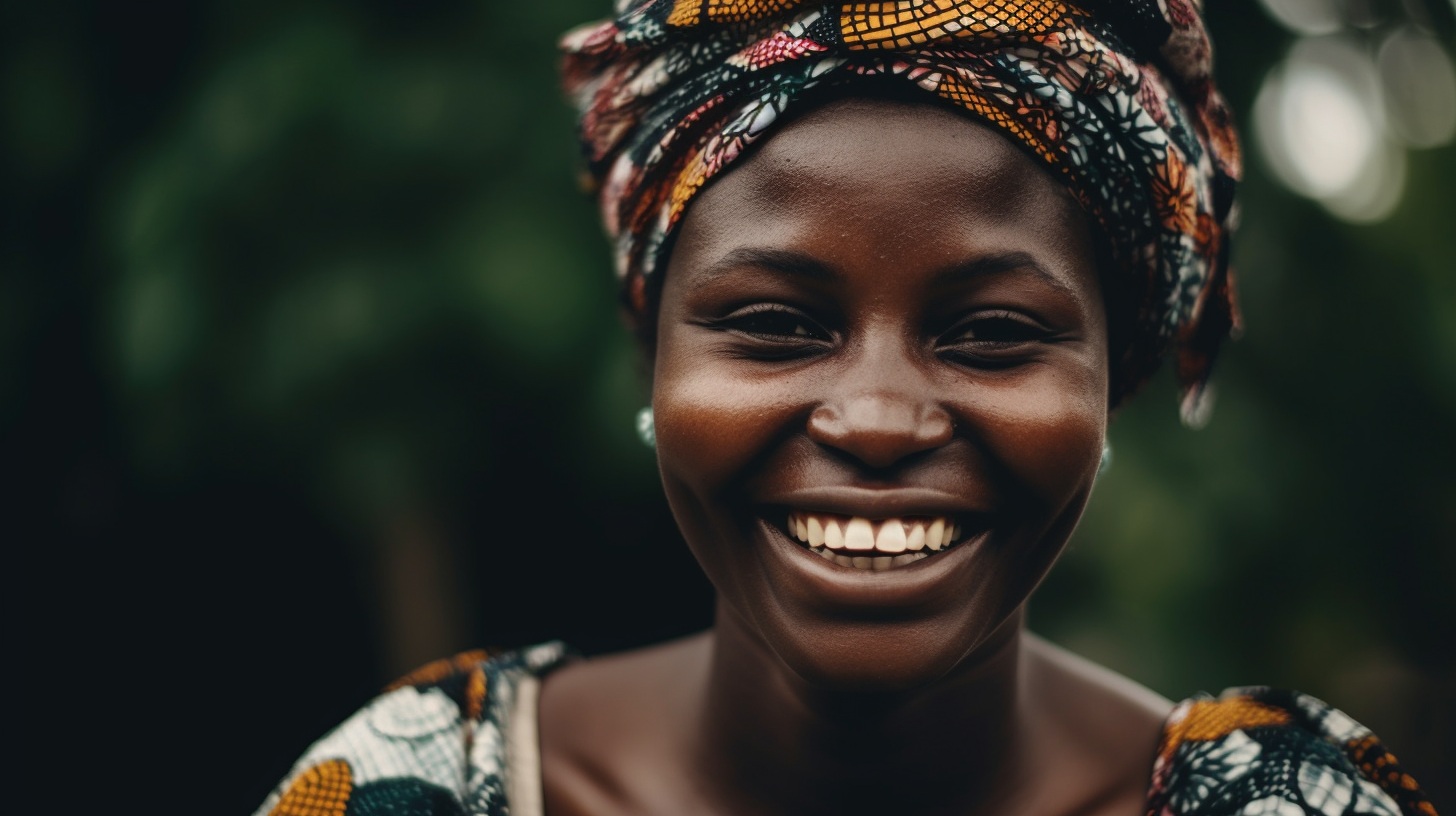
[(633, 685), (1108, 724), (1087, 682), (605, 719)]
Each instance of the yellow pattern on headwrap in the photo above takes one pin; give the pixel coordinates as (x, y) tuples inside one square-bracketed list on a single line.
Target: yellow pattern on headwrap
[(910, 23), (691, 12)]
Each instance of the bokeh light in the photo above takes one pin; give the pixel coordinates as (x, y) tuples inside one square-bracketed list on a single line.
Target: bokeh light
[(1359, 88), (1419, 86), (1309, 17), (1320, 127)]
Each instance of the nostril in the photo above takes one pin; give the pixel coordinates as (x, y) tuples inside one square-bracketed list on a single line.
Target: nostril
[(936, 426)]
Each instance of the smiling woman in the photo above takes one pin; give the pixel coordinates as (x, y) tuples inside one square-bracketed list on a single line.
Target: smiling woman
[(885, 343), (826, 351)]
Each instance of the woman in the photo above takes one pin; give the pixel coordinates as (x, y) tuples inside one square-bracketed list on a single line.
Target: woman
[(885, 343)]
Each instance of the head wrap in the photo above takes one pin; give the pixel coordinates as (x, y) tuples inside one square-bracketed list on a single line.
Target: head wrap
[(1116, 100)]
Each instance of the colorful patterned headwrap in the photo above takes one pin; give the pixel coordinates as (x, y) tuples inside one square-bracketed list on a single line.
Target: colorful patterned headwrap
[(1115, 99)]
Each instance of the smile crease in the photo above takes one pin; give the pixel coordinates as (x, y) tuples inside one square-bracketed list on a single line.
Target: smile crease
[(860, 543)]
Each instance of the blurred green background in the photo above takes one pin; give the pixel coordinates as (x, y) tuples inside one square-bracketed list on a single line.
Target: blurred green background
[(310, 372)]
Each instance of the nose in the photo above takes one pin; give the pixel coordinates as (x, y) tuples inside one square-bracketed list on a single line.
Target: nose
[(883, 413)]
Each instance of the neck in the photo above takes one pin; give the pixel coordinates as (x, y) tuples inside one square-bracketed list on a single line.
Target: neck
[(771, 743)]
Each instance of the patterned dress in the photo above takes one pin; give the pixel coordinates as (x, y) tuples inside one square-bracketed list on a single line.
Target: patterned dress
[(459, 737)]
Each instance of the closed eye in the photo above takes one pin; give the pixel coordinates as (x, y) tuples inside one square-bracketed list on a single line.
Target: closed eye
[(996, 338), (1000, 328), (774, 322)]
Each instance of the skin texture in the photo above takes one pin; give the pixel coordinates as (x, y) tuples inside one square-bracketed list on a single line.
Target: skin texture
[(888, 310)]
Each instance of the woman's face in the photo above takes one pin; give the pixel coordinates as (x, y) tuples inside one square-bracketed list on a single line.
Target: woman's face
[(882, 332)]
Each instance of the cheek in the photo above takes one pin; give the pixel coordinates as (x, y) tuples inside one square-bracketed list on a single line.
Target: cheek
[(714, 414), (714, 424), (711, 424), (1047, 431)]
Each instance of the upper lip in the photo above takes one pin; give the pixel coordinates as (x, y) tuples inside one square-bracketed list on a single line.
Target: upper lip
[(878, 503)]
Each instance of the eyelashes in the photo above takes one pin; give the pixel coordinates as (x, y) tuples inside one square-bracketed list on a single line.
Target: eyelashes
[(992, 338), (775, 323), (996, 327)]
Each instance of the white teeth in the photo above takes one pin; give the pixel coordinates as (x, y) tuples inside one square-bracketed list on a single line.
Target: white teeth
[(892, 537), (833, 538), (878, 563), (935, 536), (860, 535), (896, 542), (916, 539)]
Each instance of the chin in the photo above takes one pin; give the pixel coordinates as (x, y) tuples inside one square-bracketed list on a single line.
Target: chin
[(875, 657)]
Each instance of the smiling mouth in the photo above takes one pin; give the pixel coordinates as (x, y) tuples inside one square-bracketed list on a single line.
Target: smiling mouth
[(864, 544)]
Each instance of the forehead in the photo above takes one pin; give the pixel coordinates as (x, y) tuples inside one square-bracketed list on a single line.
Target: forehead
[(901, 180)]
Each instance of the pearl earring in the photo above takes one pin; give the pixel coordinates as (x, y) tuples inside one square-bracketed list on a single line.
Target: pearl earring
[(648, 433)]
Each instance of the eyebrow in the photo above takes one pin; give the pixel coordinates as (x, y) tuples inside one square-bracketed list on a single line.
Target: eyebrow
[(996, 264), (787, 261), (799, 265)]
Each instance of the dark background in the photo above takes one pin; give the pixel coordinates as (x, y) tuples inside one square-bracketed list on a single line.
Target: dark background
[(310, 372)]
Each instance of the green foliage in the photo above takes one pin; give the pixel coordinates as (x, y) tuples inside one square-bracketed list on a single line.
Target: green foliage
[(334, 204)]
